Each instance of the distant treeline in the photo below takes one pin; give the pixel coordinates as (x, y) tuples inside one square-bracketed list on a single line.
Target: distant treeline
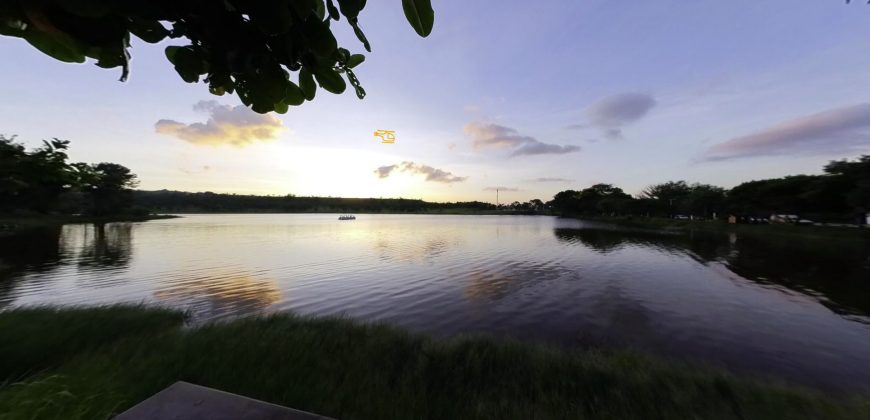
[(840, 194), (208, 202)]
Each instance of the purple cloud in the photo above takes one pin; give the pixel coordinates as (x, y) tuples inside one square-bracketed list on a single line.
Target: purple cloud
[(494, 136), (613, 112), (432, 174), (837, 130)]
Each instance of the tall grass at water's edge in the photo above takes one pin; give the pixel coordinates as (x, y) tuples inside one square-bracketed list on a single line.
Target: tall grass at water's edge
[(95, 362)]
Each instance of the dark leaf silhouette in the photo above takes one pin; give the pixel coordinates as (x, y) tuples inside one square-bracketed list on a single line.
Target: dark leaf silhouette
[(248, 48)]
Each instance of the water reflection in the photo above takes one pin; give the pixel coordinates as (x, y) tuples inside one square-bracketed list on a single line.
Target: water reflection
[(105, 245), (212, 295), (627, 319), (745, 301), (833, 272), (704, 247), (33, 258), (511, 278), (485, 284), (411, 249), (37, 251)]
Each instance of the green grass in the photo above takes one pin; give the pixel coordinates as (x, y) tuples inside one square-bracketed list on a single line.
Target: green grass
[(83, 363), (39, 338)]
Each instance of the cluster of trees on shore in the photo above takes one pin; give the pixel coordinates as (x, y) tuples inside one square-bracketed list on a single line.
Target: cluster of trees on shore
[(840, 194), (43, 180)]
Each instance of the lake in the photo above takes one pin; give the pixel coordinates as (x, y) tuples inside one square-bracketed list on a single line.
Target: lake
[(790, 309)]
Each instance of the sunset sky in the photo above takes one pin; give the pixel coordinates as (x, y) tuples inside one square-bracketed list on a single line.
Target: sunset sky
[(529, 97)]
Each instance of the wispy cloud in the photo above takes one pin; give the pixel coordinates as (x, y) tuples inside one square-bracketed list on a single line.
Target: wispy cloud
[(432, 174), (501, 189), (201, 169), (610, 114), (498, 137), (833, 131), (551, 180), (237, 126)]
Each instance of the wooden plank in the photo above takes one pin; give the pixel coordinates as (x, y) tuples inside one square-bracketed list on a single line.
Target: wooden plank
[(187, 401)]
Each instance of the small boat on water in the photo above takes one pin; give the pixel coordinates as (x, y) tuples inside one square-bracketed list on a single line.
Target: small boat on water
[(347, 217)]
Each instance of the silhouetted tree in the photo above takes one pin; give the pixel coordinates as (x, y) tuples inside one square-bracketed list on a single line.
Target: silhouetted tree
[(856, 179), (667, 196), (588, 200), (111, 189), (35, 180), (780, 195), (703, 200)]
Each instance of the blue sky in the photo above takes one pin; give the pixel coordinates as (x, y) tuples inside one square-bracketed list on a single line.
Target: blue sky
[(533, 97)]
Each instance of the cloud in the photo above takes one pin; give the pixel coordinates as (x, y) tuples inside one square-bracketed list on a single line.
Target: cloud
[(551, 180), (432, 174), (471, 109), (493, 136), (237, 126), (501, 189), (203, 168), (610, 114), (833, 131)]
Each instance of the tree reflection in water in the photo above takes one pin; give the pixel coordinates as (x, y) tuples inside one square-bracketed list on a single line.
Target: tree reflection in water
[(106, 245), (92, 248), (833, 272)]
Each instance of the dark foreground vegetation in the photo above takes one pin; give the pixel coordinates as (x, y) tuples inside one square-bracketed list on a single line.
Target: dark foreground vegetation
[(841, 194), (92, 363)]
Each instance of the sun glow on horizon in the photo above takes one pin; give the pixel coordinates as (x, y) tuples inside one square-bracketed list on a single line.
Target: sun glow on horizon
[(282, 168)]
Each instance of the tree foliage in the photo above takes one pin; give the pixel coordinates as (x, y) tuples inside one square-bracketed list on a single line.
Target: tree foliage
[(599, 198), (841, 194), (36, 180), (33, 179), (667, 191), (246, 47)]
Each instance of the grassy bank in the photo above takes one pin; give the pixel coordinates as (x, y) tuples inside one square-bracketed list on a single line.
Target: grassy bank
[(91, 363)]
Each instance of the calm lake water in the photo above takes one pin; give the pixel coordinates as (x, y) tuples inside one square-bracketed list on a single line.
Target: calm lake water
[(790, 309)]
